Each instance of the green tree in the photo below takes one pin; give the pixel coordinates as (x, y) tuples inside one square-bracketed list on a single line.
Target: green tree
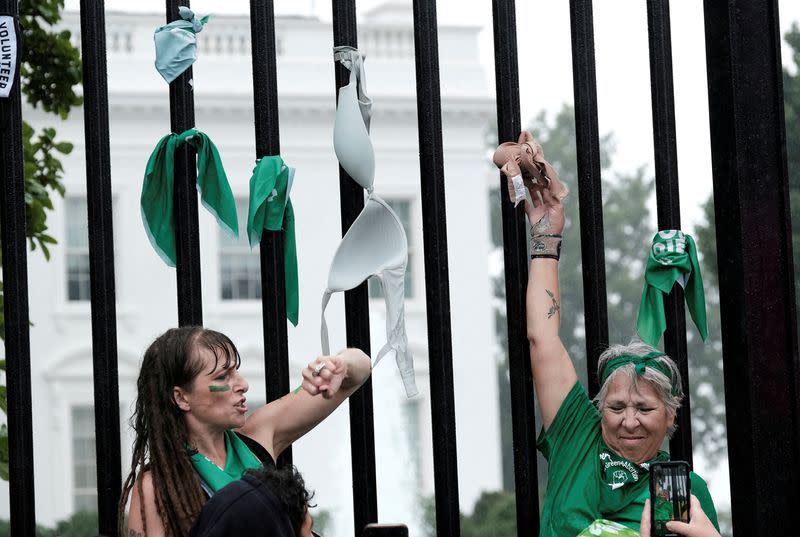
[(791, 106), (50, 72), (80, 524), (494, 515)]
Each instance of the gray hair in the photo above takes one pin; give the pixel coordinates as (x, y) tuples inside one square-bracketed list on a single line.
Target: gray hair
[(662, 385)]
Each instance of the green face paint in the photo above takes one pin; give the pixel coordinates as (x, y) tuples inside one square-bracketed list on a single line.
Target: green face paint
[(223, 388)]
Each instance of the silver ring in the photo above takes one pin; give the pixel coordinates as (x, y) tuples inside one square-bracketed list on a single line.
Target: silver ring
[(318, 369)]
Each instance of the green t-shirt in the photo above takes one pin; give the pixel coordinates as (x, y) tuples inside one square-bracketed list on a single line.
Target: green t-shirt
[(588, 480)]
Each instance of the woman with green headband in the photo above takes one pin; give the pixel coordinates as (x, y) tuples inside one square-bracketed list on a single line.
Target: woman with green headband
[(193, 432), (599, 451)]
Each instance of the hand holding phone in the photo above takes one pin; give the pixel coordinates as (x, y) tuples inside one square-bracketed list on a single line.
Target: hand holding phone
[(699, 525)]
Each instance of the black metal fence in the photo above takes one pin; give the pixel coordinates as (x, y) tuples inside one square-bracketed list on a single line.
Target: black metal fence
[(762, 376)]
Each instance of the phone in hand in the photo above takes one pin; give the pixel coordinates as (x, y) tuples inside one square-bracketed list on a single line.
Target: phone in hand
[(670, 490), (385, 530)]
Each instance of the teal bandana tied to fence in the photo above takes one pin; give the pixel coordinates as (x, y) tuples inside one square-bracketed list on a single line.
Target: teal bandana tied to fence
[(158, 190), (176, 44), (271, 209), (673, 259)]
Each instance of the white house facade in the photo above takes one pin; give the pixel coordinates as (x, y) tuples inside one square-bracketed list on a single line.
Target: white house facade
[(61, 358)]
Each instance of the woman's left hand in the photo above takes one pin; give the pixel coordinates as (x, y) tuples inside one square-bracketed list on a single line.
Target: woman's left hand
[(328, 374), (699, 525)]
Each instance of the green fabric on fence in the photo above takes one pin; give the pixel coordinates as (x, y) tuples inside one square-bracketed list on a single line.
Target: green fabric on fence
[(158, 190), (271, 209), (673, 258)]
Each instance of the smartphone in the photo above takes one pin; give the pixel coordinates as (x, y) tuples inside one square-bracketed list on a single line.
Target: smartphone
[(385, 530), (670, 490)]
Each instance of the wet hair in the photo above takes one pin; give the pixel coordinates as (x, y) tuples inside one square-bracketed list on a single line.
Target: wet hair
[(162, 438), (662, 384), (287, 485)]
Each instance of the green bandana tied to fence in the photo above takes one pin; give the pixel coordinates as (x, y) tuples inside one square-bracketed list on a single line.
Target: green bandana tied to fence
[(673, 258), (271, 209), (159, 187), (176, 44)]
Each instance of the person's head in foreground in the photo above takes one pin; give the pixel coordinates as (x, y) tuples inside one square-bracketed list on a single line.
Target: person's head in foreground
[(640, 393), (289, 488), (267, 502)]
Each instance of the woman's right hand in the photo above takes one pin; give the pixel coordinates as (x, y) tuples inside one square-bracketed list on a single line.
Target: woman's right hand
[(699, 525), (545, 213)]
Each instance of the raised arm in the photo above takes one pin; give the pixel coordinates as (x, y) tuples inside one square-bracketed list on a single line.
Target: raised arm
[(553, 372), (327, 382)]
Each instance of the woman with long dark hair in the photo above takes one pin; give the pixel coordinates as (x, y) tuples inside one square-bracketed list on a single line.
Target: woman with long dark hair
[(192, 433)]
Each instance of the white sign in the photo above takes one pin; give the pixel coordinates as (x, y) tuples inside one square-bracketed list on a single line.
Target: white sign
[(8, 54)]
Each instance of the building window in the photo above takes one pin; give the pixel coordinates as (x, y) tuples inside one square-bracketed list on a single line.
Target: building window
[(402, 208), (239, 266), (77, 250), (84, 463)]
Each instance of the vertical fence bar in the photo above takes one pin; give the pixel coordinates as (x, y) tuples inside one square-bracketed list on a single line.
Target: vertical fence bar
[(668, 204), (356, 308), (515, 254), (15, 306), (754, 252), (437, 287), (273, 278), (590, 199), (187, 232), (101, 264)]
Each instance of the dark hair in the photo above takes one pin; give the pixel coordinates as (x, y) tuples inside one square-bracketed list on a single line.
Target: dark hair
[(287, 485), (161, 434)]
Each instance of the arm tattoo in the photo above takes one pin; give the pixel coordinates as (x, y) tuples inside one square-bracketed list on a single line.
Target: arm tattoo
[(134, 533), (555, 307)]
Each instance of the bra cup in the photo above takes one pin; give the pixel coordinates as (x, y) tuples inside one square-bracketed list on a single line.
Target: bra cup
[(375, 241), (350, 138)]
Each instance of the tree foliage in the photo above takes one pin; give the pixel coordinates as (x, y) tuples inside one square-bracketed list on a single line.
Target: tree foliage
[(494, 515), (80, 524), (791, 105), (50, 72)]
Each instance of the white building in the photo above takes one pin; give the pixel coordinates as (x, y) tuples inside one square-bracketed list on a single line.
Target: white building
[(61, 356)]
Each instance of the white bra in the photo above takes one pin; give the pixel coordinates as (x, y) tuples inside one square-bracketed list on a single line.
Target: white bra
[(376, 244)]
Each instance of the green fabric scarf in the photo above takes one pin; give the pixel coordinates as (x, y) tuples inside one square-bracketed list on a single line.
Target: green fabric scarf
[(640, 363), (239, 459), (673, 258), (271, 209), (158, 190)]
